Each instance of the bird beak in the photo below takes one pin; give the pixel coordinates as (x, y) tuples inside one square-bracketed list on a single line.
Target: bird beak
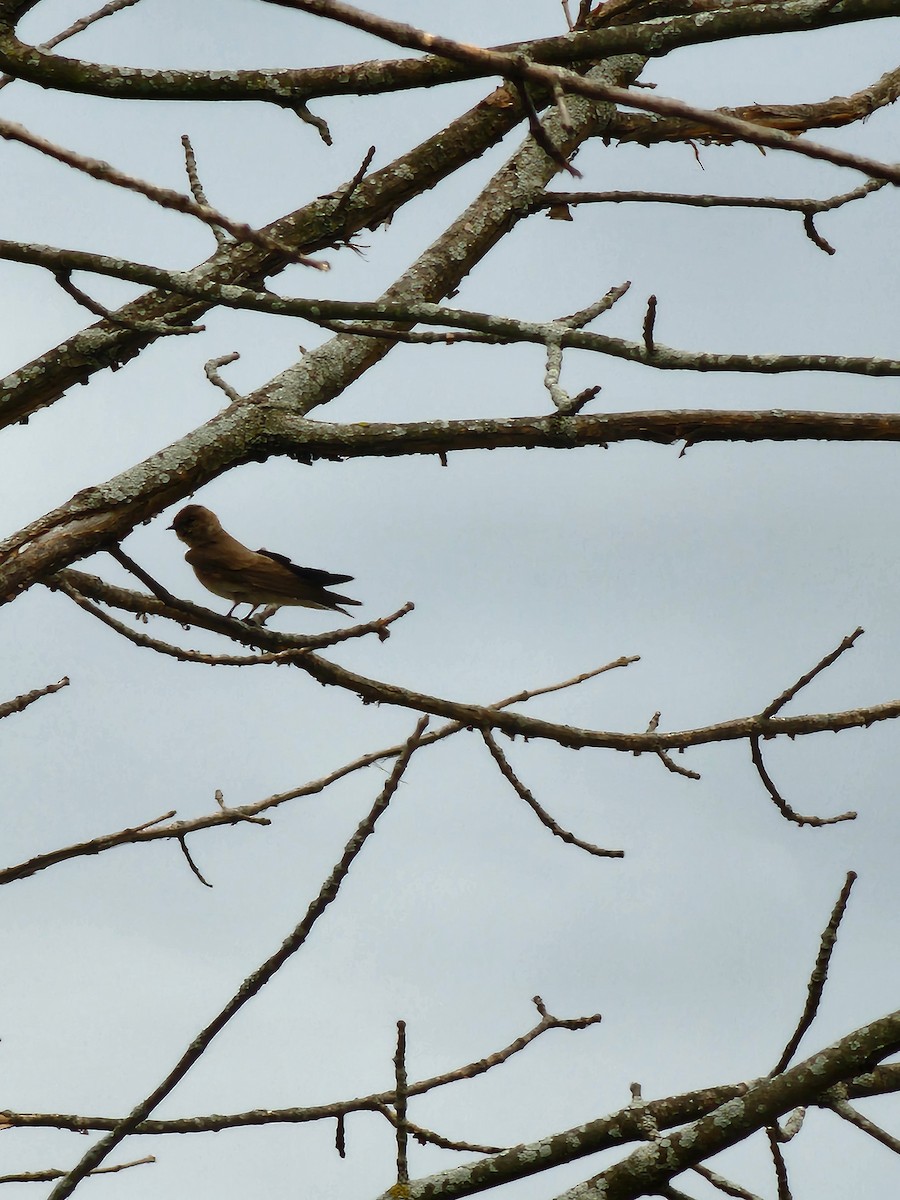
[(170, 527)]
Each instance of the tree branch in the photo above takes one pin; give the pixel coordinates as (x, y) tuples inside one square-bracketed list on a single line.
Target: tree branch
[(249, 988)]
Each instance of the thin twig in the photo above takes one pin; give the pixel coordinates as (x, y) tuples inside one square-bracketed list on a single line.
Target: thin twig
[(427, 1137), (814, 236), (779, 801), (543, 816), (401, 1083), (243, 631), (348, 189), (578, 320), (488, 326), (52, 1173), (190, 166), (154, 830), (212, 374), (190, 862), (788, 694), (318, 123), (519, 70), (8, 707), (78, 26), (164, 197), (801, 205), (723, 1184), (649, 322), (817, 979), (157, 328), (539, 133), (781, 1175), (340, 1137), (845, 1110)]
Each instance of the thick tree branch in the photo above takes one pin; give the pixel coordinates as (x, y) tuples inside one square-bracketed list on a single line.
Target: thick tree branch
[(516, 67), (239, 434), (654, 1164), (323, 222), (101, 516), (287, 88)]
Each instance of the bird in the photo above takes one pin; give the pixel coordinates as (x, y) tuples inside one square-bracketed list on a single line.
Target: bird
[(229, 569)]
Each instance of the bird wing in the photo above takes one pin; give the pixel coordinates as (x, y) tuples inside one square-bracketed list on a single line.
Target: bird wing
[(311, 575)]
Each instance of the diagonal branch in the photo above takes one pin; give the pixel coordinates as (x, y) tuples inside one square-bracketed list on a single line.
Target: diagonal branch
[(315, 226), (165, 197), (542, 815), (389, 318), (289, 88), (251, 985), (654, 1164), (817, 979), (19, 703), (238, 433)]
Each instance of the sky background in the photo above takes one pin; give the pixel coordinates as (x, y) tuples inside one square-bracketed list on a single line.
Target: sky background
[(730, 571)]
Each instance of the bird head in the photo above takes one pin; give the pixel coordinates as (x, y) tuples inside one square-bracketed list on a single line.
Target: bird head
[(196, 525)]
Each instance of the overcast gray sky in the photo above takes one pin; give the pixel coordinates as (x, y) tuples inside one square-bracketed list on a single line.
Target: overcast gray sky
[(730, 571)]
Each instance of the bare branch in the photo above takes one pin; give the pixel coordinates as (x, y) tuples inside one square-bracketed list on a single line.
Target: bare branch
[(653, 1164), (251, 985), (518, 68), (834, 113), (542, 815), (816, 985), (815, 237), (212, 374), (779, 801), (848, 1113), (78, 26), (8, 707), (164, 197), (803, 206), (78, 586), (52, 1173), (500, 329), (155, 830), (190, 166), (190, 862), (649, 323), (400, 1083), (781, 1175), (780, 701), (724, 1185), (156, 328)]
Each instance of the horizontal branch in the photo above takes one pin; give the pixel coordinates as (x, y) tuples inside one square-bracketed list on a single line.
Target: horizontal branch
[(500, 328), (834, 113), (101, 516), (516, 67), (485, 717), (619, 1128), (784, 204), (288, 88), (518, 725)]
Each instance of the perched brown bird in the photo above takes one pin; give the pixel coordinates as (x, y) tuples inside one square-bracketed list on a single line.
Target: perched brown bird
[(227, 568)]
